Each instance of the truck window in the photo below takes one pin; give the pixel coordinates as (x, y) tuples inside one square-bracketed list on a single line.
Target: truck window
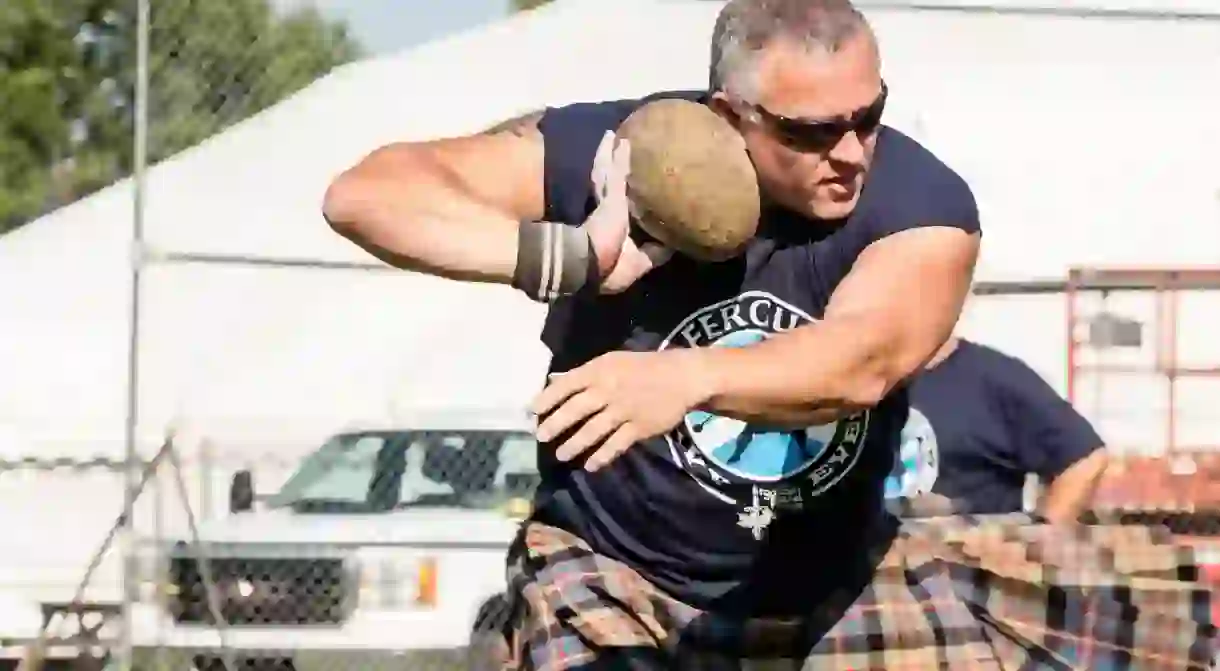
[(381, 471)]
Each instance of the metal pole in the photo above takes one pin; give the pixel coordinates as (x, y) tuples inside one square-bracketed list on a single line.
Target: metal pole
[(131, 483)]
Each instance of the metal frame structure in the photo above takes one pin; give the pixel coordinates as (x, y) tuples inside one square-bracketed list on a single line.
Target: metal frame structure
[(133, 461), (1165, 284)]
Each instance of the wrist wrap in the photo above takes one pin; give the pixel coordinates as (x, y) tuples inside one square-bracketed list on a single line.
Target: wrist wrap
[(553, 261)]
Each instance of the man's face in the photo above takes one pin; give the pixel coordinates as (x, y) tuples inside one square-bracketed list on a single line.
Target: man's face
[(809, 167)]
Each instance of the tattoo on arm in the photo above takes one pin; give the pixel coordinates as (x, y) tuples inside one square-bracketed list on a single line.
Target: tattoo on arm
[(521, 126)]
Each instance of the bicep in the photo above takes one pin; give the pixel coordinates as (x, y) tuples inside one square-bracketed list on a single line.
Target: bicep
[(908, 290), (500, 169), (518, 124), (912, 275)]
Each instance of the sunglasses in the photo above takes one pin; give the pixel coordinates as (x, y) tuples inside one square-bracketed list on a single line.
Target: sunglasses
[(815, 135)]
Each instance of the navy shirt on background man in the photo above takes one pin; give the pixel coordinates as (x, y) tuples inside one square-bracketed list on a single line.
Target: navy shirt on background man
[(980, 422)]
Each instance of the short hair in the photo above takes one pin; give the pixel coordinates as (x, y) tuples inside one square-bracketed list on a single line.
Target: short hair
[(745, 27)]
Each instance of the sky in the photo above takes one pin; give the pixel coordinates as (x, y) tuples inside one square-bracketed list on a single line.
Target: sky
[(386, 26)]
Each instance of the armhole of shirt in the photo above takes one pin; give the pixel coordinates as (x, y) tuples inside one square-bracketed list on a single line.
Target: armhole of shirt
[(915, 189), (571, 136)]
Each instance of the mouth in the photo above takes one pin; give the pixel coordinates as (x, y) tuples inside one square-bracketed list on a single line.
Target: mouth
[(843, 188)]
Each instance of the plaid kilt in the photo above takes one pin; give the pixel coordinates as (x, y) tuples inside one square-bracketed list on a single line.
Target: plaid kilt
[(978, 593)]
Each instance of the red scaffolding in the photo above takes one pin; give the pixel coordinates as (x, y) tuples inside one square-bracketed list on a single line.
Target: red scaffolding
[(1166, 286), (1169, 474)]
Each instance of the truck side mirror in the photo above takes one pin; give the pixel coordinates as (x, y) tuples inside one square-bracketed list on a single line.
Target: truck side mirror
[(241, 492)]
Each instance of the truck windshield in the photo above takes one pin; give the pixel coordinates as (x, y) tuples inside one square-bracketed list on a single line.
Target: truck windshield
[(380, 471)]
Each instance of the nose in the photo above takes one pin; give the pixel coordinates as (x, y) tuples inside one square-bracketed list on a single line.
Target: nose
[(849, 149)]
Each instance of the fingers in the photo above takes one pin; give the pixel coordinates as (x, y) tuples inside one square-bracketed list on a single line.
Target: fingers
[(591, 433), (558, 389), (657, 255), (603, 162), (617, 182), (611, 165), (634, 263), (575, 409), (619, 442), (608, 226)]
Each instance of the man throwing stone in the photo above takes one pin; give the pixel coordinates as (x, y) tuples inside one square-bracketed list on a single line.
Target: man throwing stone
[(716, 437)]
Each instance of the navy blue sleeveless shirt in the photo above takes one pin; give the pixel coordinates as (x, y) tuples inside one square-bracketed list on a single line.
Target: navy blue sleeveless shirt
[(725, 516)]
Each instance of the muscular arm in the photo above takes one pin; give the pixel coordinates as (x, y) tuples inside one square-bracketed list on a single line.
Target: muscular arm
[(448, 207), (884, 322)]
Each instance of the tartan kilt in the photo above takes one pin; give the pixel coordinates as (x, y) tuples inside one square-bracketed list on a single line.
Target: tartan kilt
[(978, 593)]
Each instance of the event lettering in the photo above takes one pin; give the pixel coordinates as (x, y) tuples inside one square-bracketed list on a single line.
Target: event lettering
[(764, 469), (759, 313), (852, 434)]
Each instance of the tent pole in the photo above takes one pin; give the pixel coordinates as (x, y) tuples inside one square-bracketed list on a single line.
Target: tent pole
[(131, 449)]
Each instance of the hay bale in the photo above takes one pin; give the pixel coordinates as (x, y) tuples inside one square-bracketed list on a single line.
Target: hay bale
[(692, 185)]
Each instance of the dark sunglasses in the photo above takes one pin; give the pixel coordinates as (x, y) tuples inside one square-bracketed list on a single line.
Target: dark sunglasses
[(815, 135)]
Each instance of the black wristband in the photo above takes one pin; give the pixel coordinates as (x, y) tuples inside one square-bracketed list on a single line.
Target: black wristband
[(553, 261)]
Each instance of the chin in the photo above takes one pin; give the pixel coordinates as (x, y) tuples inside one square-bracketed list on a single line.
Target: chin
[(833, 209)]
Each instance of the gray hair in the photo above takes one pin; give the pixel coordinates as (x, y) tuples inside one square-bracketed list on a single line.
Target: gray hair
[(745, 27)]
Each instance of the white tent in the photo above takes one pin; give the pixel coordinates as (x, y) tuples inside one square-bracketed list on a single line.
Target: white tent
[(1087, 141)]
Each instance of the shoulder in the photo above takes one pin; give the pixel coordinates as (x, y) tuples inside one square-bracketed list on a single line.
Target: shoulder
[(581, 119), (571, 135), (1006, 371), (910, 187), (1049, 432)]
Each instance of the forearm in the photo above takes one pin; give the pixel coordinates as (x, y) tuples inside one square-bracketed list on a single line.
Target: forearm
[(478, 248), (1070, 494), (1065, 502), (810, 375), (427, 225)]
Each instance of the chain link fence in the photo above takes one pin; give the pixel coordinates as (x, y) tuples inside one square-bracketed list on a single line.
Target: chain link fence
[(71, 107), (201, 591), (379, 549), (374, 549), (213, 64)]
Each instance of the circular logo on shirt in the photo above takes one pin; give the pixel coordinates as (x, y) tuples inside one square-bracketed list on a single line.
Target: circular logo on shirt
[(918, 461), (731, 458)]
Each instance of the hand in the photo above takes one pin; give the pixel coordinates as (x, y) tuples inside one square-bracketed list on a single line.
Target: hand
[(620, 262), (617, 400)]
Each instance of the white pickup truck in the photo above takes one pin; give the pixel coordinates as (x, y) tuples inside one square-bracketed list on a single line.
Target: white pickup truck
[(384, 550)]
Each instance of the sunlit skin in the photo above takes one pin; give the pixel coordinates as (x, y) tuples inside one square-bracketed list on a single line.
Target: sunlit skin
[(797, 82)]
